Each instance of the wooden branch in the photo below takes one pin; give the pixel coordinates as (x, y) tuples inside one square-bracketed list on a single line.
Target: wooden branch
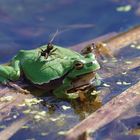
[(123, 39), (12, 129), (107, 113), (16, 99)]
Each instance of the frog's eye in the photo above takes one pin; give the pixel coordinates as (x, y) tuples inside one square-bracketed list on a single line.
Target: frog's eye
[(78, 65)]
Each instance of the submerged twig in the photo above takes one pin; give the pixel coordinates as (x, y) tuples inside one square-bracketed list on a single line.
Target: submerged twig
[(18, 88)]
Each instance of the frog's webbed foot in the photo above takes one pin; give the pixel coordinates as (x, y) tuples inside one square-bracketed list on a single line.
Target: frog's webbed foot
[(66, 96), (9, 73), (62, 93), (73, 95), (3, 81), (97, 81)]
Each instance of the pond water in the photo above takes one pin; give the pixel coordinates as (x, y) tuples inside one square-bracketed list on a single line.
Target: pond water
[(27, 24)]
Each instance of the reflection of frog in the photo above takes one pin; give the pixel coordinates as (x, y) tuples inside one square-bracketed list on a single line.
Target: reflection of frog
[(61, 71)]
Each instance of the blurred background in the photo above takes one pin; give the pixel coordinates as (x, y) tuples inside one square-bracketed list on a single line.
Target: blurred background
[(27, 24)]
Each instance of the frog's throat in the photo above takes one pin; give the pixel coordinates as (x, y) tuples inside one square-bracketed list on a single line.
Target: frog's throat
[(83, 81)]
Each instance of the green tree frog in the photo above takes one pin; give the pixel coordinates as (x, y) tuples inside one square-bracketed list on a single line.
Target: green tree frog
[(53, 68)]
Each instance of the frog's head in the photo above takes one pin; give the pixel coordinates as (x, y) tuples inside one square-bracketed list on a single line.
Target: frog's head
[(84, 66), (84, 71)]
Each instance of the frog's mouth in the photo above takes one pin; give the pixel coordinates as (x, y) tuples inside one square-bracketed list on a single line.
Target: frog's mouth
[(82, 82)]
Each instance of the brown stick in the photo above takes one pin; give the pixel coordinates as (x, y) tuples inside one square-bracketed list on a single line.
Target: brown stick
[(123, 39), (16, 99), (18, 88), (12, 129)]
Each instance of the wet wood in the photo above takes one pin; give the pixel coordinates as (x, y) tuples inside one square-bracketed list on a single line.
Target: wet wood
[(123, 39), (12, 129), (6, 105), (107, 113)]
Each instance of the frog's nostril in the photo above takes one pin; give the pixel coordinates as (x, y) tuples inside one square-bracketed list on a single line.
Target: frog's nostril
[(89, 64)]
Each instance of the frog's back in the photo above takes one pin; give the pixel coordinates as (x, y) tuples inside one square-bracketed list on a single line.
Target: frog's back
[(42, 70)]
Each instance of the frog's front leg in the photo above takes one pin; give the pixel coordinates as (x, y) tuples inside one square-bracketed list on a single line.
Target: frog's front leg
[(97, 80), (61, 92), (9, 73)]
